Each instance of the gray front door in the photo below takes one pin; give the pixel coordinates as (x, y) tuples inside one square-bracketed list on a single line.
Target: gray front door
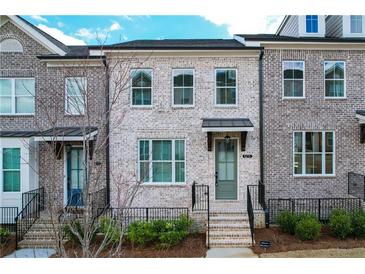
[(226, 169)]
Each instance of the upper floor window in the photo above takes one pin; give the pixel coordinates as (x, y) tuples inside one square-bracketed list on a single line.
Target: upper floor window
[(11, 45), (75, 102), (313, 153), (334, 79), (311, 23), (226, 86), (293, 77), (11, 169), (183, 89), (17, 95), (356, 23), (162, 161), (142, 87)]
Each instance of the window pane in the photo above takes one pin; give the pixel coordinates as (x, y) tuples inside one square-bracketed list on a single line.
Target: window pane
[(231, 78), (144, 149), (178, 79), (298, 88), (179, 150), (5, 104), (137, 97), (75, 86), (24, 105), (231, 96), (226, 96), (329, 70), (161, 150), (180, 172), (313, 142), (144, 171), (11, 158), (24, 87), (329, 142), (297, 163), (298, 146), (313, 164), (329, 164), (75, 105), (188, 78), (335, 88), (356, 23), (11, 181), (288, 70), (142, 78), (5, 87), (162, 172), (339, 70), (146, 96), (220, 78), (183, 96), (298, 70)]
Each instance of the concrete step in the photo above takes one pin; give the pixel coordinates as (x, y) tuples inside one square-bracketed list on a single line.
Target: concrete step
[(228, 213), (228, 226), (229, 234), (231, 218), (38, 244), (230, 243)]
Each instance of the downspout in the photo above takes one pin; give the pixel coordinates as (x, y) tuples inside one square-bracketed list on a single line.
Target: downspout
[(261, 107)]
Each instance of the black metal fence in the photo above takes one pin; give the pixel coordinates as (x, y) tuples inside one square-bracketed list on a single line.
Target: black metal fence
[(257, 196), (27, 196), (126, 216), (356, 185), (251, 216), (320, 207), (7, 218)]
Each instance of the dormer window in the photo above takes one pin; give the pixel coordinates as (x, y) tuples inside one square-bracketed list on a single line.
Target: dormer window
[(356, 24), (311, 23)]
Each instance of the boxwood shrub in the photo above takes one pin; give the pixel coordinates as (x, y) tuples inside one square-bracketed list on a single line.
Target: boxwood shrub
[(308, 228), (340, 223), (358, 224), (287, 222)]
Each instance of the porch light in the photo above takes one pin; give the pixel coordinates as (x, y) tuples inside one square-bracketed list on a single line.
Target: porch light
[(227, 139)]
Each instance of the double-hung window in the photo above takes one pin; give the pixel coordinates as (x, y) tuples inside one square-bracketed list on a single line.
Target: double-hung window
[(141, 87), (334, 79), (313, 153), (17, 95), (226, 86), (293, 77), (183, 87), (11, 169), (162, 161), (356, 23), (311, 23), (76, 88)]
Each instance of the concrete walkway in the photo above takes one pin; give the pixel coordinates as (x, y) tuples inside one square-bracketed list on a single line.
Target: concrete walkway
[(230, 253), (32, 253)]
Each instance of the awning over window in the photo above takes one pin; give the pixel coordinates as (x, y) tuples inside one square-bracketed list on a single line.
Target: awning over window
[(225, 125), (67, 134), (360, 114)]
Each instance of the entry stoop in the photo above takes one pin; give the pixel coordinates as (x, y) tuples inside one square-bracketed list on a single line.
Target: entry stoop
[(229, 230)]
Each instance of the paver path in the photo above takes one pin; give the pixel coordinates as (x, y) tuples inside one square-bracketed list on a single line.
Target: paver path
[(32, 253)]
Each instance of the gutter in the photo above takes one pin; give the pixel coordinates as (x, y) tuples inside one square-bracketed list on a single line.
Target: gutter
[(261, 115)]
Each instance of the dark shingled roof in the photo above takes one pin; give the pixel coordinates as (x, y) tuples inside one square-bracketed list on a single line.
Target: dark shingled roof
[(236, 122), (180, 44), (57, 131), (360, 112), (19, 134), (274, 37)]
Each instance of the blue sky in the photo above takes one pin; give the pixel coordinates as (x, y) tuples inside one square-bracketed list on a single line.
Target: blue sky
[(78, 30)]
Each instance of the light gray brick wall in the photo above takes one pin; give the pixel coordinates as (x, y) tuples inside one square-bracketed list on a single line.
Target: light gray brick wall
[(282, 117), (164, 121)]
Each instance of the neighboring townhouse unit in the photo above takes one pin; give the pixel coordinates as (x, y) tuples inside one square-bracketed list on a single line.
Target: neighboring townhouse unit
[(44, 86)]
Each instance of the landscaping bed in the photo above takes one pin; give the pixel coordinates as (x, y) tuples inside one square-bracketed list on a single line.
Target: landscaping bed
[(193, 246), (282, 242), (8, 247)]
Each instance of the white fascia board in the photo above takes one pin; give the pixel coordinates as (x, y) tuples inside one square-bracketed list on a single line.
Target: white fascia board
[(36, 35), (73, 63), (227, 129)]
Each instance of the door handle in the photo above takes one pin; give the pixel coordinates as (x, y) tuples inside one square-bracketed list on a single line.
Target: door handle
[(216, 178)]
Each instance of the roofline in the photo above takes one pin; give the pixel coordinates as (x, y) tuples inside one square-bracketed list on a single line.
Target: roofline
[(170, 48), (286, 39), (70, 57), (282, 24)]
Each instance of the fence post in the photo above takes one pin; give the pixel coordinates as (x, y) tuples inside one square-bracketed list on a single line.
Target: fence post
[(319, 209), (292, 201), (146, 214)]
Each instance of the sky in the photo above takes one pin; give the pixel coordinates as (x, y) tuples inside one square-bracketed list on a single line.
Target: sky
[(94, 30)]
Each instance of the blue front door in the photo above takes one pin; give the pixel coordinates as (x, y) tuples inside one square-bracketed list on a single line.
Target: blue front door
[(75, 176)]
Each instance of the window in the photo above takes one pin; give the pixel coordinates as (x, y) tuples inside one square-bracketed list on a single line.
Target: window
[(162, 161), (75, 95), (334, 79), (226, 85), (11, 169), (17, 96), (311, 23), (183, 90), (293, 79), (313, 153), (11, 45), (142, 87), (356, 23)]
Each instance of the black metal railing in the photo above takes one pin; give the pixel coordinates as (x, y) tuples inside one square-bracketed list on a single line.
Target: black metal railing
[(356, 185), (251, 215), (257, 196), (200, 202), (320, 207), (128, 215), (29, 214), (27, 196), (7, 218)]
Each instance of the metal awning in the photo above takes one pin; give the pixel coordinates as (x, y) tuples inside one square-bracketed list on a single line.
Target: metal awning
[(227, 125), (67, 134), (360, 114), (17, 134)]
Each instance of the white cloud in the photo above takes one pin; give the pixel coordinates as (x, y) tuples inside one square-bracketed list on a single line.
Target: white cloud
[(60, 24), (115, 26), (61, 36), (39, 18), (89, 34), (126, 17)]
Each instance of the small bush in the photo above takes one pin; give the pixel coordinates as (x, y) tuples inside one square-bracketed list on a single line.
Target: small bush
[(340, 223), (79, 229), (308, 228), (141, 233), (109, 228), (170, 238), (358, 224), (4, 235), (287, 222)]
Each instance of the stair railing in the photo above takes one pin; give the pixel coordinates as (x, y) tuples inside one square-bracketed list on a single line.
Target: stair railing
[(251, 215)]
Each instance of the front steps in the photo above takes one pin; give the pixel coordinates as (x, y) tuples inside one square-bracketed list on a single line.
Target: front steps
[(229, 229)]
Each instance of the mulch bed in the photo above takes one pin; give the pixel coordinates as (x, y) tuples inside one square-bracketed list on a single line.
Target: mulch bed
[(191, 247), (8, 247), (281, 242)]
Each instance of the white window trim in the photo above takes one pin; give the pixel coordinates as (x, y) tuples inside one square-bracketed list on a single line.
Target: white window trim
[(131, 88), (173, 89), (344, 97), (13, 97), (66, 96), (346, 27), (150, 162), (282, 80), (2, 170), (216, 87), (323, 154)]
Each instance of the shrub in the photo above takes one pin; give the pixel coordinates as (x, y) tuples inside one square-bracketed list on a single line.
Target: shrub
[(4, 235), (170, 238), (287, 221), (308, 228), (109, 228), (79, 229), (340, 223), (358, 224), (141, 233)]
